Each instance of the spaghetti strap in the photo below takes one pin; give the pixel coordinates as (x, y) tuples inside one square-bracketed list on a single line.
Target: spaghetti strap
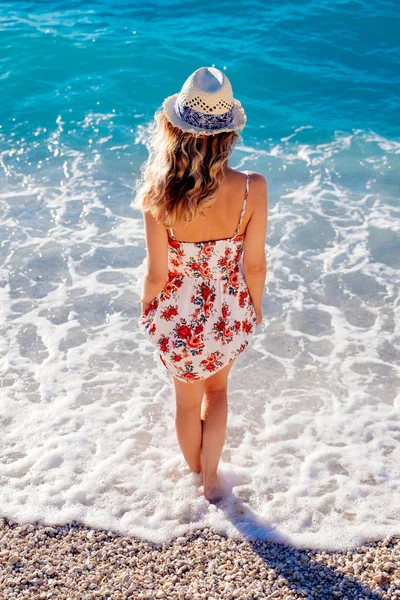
[(172, 233), (246, 193)]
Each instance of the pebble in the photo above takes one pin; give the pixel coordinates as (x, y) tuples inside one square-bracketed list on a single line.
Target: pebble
[(13, 559), (75, 562), (379, 577)]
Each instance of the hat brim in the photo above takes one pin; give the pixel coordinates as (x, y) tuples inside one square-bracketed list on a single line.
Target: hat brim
[(238, 122)]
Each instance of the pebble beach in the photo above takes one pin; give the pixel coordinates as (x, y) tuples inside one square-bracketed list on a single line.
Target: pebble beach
[(74, 562)]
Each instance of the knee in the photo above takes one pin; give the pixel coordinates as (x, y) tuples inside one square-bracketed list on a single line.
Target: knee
[(216, 393), (187, 403)]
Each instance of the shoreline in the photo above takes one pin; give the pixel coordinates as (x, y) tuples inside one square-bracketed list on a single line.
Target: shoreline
[(76, 562)]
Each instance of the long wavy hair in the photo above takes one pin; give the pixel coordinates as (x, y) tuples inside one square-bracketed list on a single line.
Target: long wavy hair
[(183, 171)]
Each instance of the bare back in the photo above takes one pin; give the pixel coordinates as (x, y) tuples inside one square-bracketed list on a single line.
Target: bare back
[(222, 217)]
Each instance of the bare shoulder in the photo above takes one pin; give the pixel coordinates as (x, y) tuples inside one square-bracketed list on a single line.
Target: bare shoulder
[(257, 198), (257, 179), (258, 195)]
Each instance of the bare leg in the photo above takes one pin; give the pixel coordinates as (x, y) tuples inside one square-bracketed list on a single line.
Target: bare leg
[(188, 422), (214, 414)]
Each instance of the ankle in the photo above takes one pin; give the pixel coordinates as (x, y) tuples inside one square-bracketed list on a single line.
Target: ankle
[(210, 478)]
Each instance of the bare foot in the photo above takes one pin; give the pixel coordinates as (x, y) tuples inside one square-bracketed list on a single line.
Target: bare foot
[(213, 491)]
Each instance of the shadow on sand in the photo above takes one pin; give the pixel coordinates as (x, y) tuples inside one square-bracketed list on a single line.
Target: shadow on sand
[(304, 574)]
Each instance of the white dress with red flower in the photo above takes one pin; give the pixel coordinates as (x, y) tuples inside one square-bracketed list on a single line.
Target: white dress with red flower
[(203, 317)]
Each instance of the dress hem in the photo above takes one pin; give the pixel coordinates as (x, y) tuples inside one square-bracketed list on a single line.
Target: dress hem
[(184, 380)]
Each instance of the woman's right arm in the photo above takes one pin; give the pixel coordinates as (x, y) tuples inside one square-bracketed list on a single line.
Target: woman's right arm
[(254, 258), (157, 260)]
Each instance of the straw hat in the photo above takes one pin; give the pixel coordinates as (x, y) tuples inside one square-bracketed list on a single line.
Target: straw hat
[(205, 105)]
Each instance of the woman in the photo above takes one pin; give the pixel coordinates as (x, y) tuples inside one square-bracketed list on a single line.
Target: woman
[(202, 295)]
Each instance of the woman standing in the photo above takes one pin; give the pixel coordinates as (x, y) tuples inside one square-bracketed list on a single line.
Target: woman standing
[(205, 226)]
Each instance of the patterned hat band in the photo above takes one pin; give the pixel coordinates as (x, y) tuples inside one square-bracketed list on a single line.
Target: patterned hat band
[(198, 106), (199, 119)]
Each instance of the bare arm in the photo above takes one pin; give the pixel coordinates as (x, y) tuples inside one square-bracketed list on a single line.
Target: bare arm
[(157, 260), (254, 258)]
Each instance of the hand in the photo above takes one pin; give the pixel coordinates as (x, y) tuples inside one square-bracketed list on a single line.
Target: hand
[(144, 306), (259, 317)]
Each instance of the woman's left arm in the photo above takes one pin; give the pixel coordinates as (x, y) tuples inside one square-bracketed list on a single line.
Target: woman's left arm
[(157, 260)]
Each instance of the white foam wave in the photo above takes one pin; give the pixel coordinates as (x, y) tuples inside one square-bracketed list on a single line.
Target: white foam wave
[(87, 411)]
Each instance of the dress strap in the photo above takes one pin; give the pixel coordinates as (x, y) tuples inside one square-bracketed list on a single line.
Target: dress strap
[(172, 233), (246, 193)]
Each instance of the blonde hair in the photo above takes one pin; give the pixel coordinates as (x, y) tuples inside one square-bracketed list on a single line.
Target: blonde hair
[(183, 171)]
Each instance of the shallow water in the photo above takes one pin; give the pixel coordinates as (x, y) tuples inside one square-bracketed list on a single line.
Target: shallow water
[(87, 410)]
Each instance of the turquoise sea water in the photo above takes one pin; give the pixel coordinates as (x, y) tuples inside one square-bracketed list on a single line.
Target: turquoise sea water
[(331, 65), (87, 413)]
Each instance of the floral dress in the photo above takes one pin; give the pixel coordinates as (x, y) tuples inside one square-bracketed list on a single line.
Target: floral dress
[(203, 317)]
